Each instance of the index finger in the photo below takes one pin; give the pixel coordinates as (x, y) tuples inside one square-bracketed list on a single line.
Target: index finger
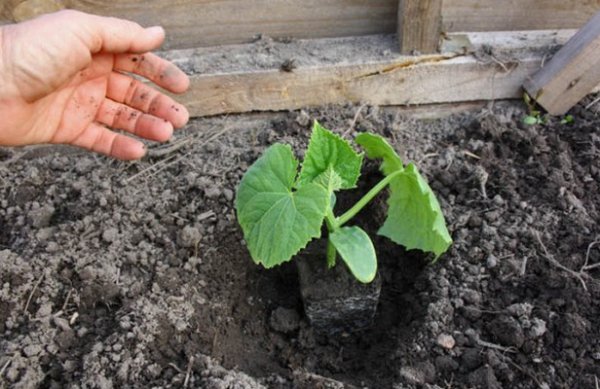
[(150, 66), (111, 35)]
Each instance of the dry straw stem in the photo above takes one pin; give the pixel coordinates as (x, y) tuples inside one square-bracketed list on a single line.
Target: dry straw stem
[(590, 105), (35, 287), (494, 346), (152, 170), (64, 306), (581, 275), (319, 379), (6, 365), (188, 373), (585, 266), (171, 148), (354, 120)]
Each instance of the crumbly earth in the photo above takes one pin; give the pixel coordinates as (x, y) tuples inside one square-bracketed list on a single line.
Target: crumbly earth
[(116, 275)]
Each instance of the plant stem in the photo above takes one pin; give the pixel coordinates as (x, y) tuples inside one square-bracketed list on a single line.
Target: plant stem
[(330, 221), (331, 227), (331, 254), (340, 221)]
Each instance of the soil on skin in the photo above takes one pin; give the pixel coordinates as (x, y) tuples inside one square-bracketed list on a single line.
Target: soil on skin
[(136, 275)]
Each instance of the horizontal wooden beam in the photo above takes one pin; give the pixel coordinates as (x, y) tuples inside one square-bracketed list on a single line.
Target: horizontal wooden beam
[(195, 23), (515, 15), (360, 76)]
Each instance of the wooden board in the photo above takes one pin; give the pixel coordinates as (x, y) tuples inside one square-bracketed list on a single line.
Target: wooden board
[(419, 25), (571, 74), (194, 23), (392, 80), (393, 83), (515, 15)]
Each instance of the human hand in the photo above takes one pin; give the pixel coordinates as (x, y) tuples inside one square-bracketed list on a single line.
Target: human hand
[(67, 77)]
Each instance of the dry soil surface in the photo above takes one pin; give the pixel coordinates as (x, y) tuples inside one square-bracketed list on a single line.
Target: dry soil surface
[(135, 275)]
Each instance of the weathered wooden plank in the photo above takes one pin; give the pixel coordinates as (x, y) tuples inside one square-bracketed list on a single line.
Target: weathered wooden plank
[(27, 9), (419, 25), (372, 78), (571, 74), (393, 83), (194, 23), (515, 15)]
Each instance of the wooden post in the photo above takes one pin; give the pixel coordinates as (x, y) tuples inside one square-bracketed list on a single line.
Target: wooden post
[(571, 74), (29, 9), (419, 26)]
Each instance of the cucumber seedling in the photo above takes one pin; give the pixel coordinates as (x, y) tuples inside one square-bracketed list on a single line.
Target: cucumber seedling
[(281, 211)]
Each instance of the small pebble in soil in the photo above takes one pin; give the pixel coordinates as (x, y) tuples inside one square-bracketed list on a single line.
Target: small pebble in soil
[(471, 296), (61, 323), (44, 234), (538, 328), (52, 247), (12, 374), (32, 350), (285, 320), (51, 348), (228, 194), (491, 261), (303, 118), (110, 235), (518, 310), (154, 370), (212, 192), (188, 237), (446, 341), (498, 200)]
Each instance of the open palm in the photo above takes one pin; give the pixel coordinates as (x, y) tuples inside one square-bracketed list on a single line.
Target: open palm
[(67, 78)]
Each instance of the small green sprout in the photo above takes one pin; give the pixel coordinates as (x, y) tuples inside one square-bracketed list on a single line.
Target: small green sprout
[(535, 115), (567, 119), (281, 211), (530, 120)]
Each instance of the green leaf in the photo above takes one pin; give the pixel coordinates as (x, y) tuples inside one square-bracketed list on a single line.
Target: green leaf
[(377, 147), (356, 249), (326, 150), (278, 222), (329, 180), (530, 120), (415, 219)]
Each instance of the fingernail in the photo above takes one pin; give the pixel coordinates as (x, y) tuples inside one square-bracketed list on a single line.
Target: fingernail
[(156, 30), (170, 132)]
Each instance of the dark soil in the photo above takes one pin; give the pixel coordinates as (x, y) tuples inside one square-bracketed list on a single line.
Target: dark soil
[(136, 275)]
